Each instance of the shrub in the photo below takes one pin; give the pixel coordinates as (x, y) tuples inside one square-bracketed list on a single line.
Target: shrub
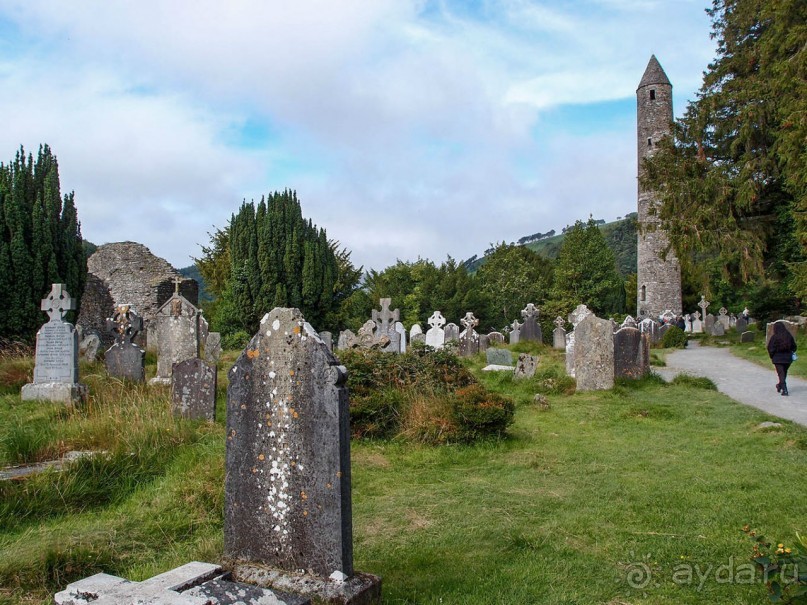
[(376, 414), (479, 413), (674, 338), (236, 340)]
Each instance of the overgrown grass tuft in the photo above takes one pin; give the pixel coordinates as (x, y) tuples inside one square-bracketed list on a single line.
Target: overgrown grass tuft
[(695, 382)]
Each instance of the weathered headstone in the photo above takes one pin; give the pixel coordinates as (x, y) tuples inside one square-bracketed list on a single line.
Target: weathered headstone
[(452, 332), (287, 486), (629, 322), (531, 330), (525, 366), (193, 389), (124, 359), (88, 347), (499, 357), (792, 327), (484, 343), (697, 325), (190, 584), (747, 336), (347, 340), (559, 334), (723, 318), (386, 321), (703, 304), (515, 332), (418, 338), (741, 325), (436, 336), (495, 339), (414, 331), (594, 354), (56, 363), (709, 323), (575, 317), (179, 331), (401, 331), (213, 347), (718, 329), (631, 353), (469, 338)]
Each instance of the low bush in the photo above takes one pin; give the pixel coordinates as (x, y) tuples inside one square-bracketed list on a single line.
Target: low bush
[(698, 382), (674, 338), (479, 414)]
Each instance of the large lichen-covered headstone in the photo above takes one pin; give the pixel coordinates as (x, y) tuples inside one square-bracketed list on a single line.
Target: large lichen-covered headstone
[(287, 487), (193, 389), (594, 354), (56, 363), (179, 330), (124, 359)]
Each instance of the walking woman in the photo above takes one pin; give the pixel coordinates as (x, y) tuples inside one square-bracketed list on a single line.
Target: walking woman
[(781, 348)]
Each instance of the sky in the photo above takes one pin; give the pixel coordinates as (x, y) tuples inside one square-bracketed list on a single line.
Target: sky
[(409, 128)]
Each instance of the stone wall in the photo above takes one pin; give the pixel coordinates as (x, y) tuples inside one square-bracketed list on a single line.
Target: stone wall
[(658, 275), (131, 275)]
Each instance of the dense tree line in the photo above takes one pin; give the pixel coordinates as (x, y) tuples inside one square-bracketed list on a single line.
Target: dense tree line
[(733, 178), (40, 241)]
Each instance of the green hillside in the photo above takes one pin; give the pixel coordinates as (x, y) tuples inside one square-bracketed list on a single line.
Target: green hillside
[(620, 236)]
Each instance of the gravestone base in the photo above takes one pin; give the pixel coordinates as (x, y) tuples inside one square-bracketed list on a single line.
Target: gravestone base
[(62, 392), (359, 589)]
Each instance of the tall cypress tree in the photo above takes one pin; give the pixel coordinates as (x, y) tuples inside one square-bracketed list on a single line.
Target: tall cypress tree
[(40, 240)]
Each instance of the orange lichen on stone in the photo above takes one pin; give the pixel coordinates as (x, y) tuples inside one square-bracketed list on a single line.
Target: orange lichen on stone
[(261, 457), (253, 353)]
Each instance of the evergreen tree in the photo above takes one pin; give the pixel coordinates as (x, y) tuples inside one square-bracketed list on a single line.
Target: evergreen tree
[(40, 241), (733, 178)]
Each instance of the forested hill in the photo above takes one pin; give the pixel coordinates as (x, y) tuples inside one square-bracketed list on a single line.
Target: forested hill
[(619, 235)]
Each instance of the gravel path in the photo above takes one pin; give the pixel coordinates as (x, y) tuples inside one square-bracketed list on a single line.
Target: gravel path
[(741, 380)]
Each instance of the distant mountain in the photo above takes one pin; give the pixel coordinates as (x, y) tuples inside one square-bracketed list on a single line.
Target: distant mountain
[(193, 272), (620, 236)]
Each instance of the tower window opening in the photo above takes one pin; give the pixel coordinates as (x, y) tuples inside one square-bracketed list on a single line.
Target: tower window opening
[(652, 94), (644, 293), (649, 142)]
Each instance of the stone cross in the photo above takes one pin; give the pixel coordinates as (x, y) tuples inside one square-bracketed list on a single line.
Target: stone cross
[(560, 322), (125, 324), (469, 322), (696, 315), (437, 320), (177, 282), (386, 319), (704, 304), (515, 334), (529, 311), (57, 303)]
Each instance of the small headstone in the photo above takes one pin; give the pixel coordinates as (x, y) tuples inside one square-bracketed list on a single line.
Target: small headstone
[(56, 362), (741, 325), (594, 354), (747, 336), (287, 481), (414, 331), (213, 347), (469, 338), (724, 318), (124, 359), (193, 389), (327, 338), (631, 353), (515, 332), (697, 325), (541, 401), (709, 323), (525, 366), (483, 343), (452, 332), (89, 346), (401, 331), (499, 357), (531, 330), (687, 323), (559, 334), (495, 339), (418, 338), (436, 336), (792, 327), (718, 329), (347, 340)]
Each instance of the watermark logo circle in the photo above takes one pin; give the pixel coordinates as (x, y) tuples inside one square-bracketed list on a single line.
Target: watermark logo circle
[(639, 576)]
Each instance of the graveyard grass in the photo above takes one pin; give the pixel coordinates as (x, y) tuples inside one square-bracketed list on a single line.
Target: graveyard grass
[(756, 352), (580, 498)]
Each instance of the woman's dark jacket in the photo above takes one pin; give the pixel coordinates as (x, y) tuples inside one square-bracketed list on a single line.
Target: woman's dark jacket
[(781, 350)]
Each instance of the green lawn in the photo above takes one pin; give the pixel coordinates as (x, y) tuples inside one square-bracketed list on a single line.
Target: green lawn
[(757, 353), (599, 487)]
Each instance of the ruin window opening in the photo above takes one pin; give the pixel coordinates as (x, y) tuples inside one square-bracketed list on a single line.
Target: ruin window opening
[(649, 142), (644, 293), (652, 94)]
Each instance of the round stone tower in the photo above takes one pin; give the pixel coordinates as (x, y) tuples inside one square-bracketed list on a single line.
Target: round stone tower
[(658, 276)]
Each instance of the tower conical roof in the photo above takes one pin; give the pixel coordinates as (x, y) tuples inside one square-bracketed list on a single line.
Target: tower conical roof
[(654, 74)]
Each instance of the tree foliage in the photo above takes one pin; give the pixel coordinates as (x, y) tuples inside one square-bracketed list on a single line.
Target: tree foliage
[(270, 256), (40, 241), (586, 272), (732, 180)]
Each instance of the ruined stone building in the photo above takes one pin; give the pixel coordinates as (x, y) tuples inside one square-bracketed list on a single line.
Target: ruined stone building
[(658, 277), (128, 273)]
